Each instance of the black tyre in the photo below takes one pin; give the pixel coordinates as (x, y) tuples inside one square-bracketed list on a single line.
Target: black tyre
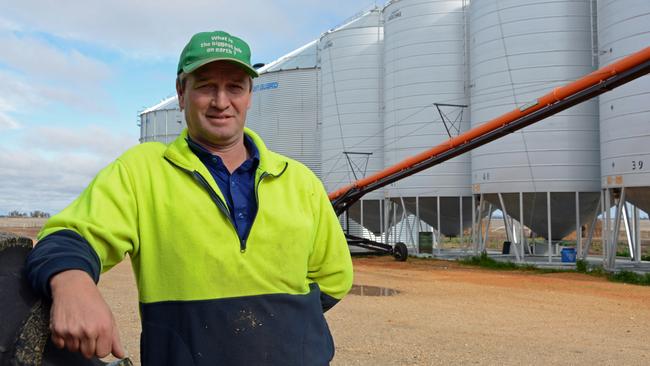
[(24, 316), (400, 252)]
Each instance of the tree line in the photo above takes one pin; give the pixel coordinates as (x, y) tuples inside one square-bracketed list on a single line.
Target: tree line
[(37, 213)]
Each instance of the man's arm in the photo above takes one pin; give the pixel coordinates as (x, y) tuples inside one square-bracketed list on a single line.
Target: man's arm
[(88, 237), (60, 251), (330, 264), (64, 266), (80, 319)]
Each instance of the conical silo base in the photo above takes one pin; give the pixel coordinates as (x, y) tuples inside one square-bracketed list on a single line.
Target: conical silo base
[(371, 211), (450, 212), (563, 210), (639, 196)]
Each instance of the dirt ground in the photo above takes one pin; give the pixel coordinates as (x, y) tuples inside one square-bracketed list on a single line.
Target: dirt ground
[(450, 314), (24, 226)]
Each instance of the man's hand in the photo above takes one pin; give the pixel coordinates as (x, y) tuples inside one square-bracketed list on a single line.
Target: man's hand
[(80, 319)]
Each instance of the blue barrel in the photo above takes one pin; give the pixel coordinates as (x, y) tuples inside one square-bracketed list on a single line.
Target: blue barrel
[(568, 255)]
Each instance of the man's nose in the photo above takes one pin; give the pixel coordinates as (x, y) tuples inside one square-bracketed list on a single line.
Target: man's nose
[(220, 99)]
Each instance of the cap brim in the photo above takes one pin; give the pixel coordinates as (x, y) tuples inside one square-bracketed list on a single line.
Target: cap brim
[(249, 70)]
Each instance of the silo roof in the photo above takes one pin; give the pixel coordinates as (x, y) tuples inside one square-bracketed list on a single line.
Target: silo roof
[(307, 56), (304, 57), (360, 20), (166, 104)]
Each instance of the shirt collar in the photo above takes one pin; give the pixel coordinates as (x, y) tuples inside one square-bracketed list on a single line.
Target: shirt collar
[(203, 153), (180, 154)]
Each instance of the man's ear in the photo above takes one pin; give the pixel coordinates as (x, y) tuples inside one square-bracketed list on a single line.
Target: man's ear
[(180, 93), (250, 91)]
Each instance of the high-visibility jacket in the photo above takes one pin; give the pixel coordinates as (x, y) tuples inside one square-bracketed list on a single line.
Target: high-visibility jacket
[(207, 297)]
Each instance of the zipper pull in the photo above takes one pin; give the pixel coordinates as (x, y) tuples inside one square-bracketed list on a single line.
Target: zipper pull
[(242, 246)]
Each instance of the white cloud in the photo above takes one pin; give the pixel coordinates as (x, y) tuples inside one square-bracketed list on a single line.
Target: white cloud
[(91, 139), (55, 165), (52, 180), (36, 74), (25, 93), (42, 61), (160, 28), (13, 96), (90, 99), (8, 24), (16, 94), (6, 122)]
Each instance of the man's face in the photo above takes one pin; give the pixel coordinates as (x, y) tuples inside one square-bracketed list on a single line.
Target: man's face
[(215, 99)]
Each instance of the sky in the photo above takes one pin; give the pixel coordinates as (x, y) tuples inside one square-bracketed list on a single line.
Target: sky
[(74, 75)]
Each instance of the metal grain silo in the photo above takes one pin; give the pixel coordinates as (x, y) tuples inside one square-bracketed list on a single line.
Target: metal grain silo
[(520, 49), (352, 129), (285, 106), (162, 122), (624, 28), (425, 101)]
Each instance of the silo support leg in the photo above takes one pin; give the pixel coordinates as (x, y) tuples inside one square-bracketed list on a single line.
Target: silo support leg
[(606, 237), (460, 224), (578, 229), (476, 212), (439, 235), (507, 221), (629, 233), (637, 233), (549, 233), (479, 234), (592, 228), (409, 227), (487, 228), (361, 217), (417, 224), (611, 259), (617, 227), (632, 230), (522, 237)]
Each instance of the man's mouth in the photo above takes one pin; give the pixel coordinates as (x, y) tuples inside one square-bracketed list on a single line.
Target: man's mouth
[(218, 116)]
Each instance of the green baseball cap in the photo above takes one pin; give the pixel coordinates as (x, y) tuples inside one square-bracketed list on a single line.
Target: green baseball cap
[(206, 47)]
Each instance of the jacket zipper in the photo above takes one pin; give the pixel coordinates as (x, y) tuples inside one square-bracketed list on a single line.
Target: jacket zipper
[(257, 187), (257, 198), (214, 196), (222, 205), (219, 202), (257, 202)]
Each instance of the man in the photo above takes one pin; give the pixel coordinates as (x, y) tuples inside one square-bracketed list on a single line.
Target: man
[(236, 250)]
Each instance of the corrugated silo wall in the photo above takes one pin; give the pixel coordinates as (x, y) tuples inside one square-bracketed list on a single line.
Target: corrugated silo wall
[(624, 28), (284, 112), (352, 129), (426, 101), (351, 102), (520, 49), (162, 125)]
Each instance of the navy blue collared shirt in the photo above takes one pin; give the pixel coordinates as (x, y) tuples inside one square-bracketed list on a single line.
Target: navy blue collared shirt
[(238, 187)]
